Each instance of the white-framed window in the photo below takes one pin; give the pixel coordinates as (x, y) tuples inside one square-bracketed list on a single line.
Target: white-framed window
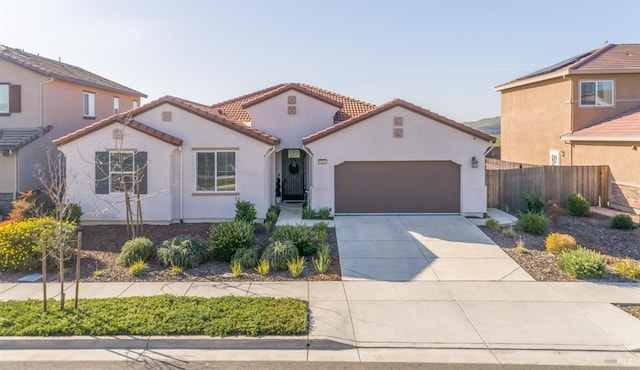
[(4, 98), (121, 172), (88, 104), (554, 157), (596, 93), (134, 104), (116, 105), (216, 171)]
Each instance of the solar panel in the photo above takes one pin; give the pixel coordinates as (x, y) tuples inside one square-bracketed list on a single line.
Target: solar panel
[(559, 65)]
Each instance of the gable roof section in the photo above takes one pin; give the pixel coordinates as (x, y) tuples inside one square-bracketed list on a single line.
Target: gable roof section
[(392, 104), (622, 127), (63, 71), (350, 108), (610, 58), (118, 119), (200, 110), (16, 138)]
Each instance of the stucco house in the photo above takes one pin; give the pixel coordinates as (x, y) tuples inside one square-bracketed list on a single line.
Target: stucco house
[(193, 161), (582, 111), (41, 99)]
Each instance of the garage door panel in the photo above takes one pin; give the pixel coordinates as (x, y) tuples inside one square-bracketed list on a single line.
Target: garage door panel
[(397, 187)]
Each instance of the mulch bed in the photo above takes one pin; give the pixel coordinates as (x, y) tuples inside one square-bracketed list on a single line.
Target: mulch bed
[(101, 246), (591, 232)]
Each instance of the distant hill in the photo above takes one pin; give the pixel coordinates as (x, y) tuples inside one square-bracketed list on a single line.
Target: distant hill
[(489, 126)]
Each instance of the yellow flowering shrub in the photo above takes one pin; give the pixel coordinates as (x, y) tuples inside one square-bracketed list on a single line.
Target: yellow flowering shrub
[(20, 241)]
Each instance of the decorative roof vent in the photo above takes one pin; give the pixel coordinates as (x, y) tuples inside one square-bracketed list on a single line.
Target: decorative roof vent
[(291, 110), (118, 134), (167, 116)]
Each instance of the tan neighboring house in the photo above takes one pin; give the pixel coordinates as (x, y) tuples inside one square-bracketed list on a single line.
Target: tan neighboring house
[(41, 99), (582, 111)]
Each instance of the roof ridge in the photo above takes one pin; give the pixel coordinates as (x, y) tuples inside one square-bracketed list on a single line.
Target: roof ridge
[(245, 96), (340, 95)]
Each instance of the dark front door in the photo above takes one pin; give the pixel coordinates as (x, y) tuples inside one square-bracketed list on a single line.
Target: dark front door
[(293, 171)]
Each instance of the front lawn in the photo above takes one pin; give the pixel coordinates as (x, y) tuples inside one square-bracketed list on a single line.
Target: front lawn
[(157, 315)]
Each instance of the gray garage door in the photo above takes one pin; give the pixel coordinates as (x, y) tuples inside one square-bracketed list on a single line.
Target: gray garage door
[(397, 187)]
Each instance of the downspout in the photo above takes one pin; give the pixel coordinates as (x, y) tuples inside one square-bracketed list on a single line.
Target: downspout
[(264, 174), (181, 198), (310, 154), (42, 100), (15, 186), (571, 118)]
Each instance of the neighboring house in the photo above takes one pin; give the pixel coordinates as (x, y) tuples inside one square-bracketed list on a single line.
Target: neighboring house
[(193, 161), (582, 111), (40, 99)]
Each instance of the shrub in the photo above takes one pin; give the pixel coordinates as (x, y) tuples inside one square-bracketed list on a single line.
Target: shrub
[(324, 250), (557, 243), (622, 222), (245, 211), (508, 232), (296, 266), (72, 213), (554, 211), (184, 251), (628, 267), (278, 253), (236, 268), (533, 223), (246, 257), (492, 223), (321, 231), (308, 213), (263, 267), (138, 267), (324, 213), (134, 250), (321, 264), (31, 204), (583, 263), (301, 236), (577, 205), (534, 202), (227, 237), (20, 241), (176, 270), (520, 247), (272, 214)]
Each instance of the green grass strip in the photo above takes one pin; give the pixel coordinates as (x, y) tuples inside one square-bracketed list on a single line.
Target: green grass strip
[(157, 315)]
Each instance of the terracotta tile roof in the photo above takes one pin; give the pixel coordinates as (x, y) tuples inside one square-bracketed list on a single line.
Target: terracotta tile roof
[(610, 58), (622, 127), (397, 103), (16, 138), (349, 107), (200, 110), (120, 118), (63, 71)]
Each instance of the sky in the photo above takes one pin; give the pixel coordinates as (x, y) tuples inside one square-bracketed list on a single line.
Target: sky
[(446, 56)]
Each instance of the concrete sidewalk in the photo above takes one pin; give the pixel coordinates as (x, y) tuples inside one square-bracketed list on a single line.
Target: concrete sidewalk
[(424, 321)]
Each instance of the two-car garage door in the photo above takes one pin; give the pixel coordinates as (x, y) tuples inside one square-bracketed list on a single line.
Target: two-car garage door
[(397, 187)]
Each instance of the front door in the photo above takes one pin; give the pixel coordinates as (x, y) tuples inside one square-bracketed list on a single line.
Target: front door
[(293, 174)]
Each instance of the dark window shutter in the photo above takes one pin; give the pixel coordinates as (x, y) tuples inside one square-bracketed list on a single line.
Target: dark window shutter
[(102, 172), (15, 98), (141, 171)]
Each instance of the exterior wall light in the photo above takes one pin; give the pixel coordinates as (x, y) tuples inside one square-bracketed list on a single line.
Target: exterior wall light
[(474, 162)]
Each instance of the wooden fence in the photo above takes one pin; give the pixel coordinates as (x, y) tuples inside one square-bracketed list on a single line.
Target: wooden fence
[(507, 182)]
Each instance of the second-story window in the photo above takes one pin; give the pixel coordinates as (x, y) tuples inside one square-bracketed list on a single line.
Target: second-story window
[(596, 93), (10, 98), (89, 104), (4, 98), (116, 105), (135, 104)]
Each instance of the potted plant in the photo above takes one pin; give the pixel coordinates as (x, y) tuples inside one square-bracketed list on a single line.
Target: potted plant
[(278, 192)]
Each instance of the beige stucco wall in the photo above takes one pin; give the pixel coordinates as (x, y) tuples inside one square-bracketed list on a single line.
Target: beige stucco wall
[(533, 119), (624, 166), (7, 180), (423, 139), (271, 116), (30, 95), (626, 96)]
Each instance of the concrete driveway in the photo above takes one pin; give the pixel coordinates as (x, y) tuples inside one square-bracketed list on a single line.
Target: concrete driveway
[(420, 248)]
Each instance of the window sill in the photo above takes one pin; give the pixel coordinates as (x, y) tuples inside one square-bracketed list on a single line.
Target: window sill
[(215, 194), (88, 117), (5, 114)]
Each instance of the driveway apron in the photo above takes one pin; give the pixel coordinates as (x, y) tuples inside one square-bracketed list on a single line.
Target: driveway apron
[(420, 248)]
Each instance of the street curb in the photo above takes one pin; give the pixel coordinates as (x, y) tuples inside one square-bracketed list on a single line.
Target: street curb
[(169, 342)]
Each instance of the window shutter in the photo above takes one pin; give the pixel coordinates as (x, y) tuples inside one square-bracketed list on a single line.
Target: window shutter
[(15, 98), (141, 171), (102, 172)]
